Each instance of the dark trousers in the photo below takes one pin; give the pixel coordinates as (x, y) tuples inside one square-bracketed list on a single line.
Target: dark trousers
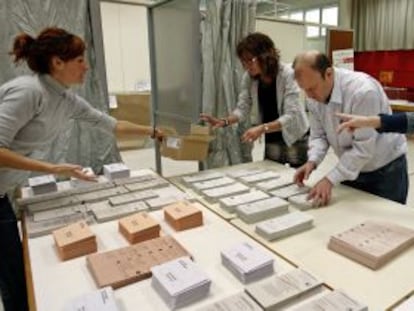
[(295, 155), (389, 181), (12, 277)]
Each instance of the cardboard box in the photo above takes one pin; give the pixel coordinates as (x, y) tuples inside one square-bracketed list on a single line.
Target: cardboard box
[(183, 215), (134, 107), (187, 147)]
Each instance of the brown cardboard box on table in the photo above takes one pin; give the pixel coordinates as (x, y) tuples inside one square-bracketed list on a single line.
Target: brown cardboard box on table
[(183, 215), (187, 147), (139, 227), (74, 240)]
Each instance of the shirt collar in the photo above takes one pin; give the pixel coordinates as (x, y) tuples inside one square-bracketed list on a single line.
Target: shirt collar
[(336, 94), (53, 84)]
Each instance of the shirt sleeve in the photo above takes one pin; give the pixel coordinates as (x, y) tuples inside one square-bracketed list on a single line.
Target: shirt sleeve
[(318, 143), (85, 112), (19, 105), (244, 103), (394, 123), (363, 140)]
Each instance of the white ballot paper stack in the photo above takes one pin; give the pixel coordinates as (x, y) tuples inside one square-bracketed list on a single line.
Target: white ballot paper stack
[(262, 210), (336, 300), (284, 225), (288, 191), (116, 170), (282, 289), (99, 300), (247, 263), (238, 302), (43, 184), (180, 282)]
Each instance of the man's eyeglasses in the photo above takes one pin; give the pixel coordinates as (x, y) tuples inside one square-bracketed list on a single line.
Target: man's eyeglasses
[(248, 62)]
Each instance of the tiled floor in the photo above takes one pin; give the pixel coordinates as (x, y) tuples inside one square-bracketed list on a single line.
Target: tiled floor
[(145, 158)]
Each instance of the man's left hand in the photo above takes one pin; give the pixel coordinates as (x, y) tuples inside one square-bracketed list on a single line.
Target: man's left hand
[(321, 192), (252, 134)]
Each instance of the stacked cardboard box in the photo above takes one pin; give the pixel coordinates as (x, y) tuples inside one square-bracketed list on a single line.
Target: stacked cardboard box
[(74, 240), (139, 227), (183, 215), (372, 243), (130, 264)]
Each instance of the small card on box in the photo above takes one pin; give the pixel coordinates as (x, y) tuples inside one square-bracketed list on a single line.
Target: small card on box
[(116, 170)]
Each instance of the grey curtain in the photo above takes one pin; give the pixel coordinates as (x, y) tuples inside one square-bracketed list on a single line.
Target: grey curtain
[(225, 23), (79, 143), (383, 24)]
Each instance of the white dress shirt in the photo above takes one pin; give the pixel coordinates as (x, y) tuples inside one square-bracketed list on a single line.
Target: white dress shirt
[(365, 150)]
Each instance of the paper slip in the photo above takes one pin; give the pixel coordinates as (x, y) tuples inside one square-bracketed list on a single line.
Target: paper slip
[(215, 193), (99, 300), (116, 170), (244, 172), (179, 275), (262, 210), (132, 197), (246, 257), (202, 176), (336, 300), (58, 212), (238, 302), (111, 213), (272, 293), (284, 225), (150, 184), (230, 203), (212, 183), (268, 185), (180, 282), (289, 191), (52, 204), (100, 194), (136, 179), (259, 177)]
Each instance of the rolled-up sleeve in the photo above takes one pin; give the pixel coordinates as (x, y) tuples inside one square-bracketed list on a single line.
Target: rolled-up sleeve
[(18, 106), (85, 112)]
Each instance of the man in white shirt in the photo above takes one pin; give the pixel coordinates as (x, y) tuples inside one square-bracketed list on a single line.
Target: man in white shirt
[(368, 160)]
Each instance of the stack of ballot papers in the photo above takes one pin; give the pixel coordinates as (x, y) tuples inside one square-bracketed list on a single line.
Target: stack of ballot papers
[(302, 203), (101, 299), (284, 225), (104, 211), (225, 191), (43, 184), (130, 264), (238, 302), (183, 215), (244, 172), (74, 240), (116, 170), (180, 282), (254, 178), (231, 202), (212, 183), (336, 300), (261, 210), (282, 181), (372, 243), (273, 293), (247, 262), (201, 177), (289, 191), (139, 227)]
